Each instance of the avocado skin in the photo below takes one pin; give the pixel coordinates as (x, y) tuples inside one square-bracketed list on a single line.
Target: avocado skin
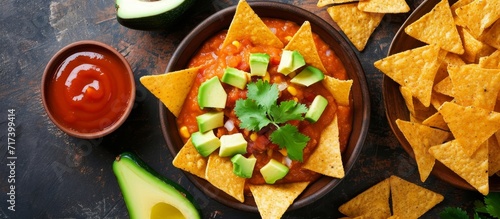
[(140, 163), (157, 22)]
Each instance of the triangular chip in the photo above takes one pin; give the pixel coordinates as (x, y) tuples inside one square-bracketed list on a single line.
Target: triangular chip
[(470, 125), (410, 200), (475, 86), (479, 15), (384, 6), (340, 89), (493, 155), (357, 25), (445, 87), (327, 159), (273, 200), (490, 35), (171, 88), (473, 169), (372, 203), (437, 27), (454, 7), (421, 138), (322, 3), (303, 42), (436, 121), (414, 69), (247, 24), (190, 160), (473, 48), (492, 61), (220, 174)]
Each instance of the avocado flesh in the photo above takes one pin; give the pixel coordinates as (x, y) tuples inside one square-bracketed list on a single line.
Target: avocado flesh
[(149, 195)]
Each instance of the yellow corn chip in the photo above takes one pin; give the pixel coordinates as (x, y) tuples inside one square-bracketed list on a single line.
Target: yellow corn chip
[(322, 3), (445, 87), (340, 89), (491, 35), (493, 155), (220, 174), (454, 7), (303, 42), (491, 61), (436, 121), (438, 99), (410, 200), (190, 160), (479, 15), (470, 125), (475, 86), (273, 200), (171, 88), (357, 25), (414, 69), (384, 6), (473, 169), (327, 159), (473, 48), (437, 27), (421, 138), (247, 24), (372, 203)]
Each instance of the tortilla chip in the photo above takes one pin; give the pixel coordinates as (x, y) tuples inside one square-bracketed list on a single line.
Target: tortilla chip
[(190, 160), (437, 27), (475, 86), (372, 203), (322, 3), (421, 138), (470, 125), (303, 42), (492, 61), (357, 25), (454, 7), (273, 200), (340, 89), (414, 69), (408, 97), (436, 121), (384, 6), (220, 174), (247, 24), (473, 169), (479, 15), (445, 87), (327, 159), (410, 200), (473, 48), (171, 88), (493, 155), (438, 99), (490, 35)]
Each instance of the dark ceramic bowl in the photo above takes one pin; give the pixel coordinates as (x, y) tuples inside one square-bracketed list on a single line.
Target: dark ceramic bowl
[(122, 102), (220, 21), (396, 108)]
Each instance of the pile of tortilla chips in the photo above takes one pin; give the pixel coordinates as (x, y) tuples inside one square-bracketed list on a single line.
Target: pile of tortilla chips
[(408, 200), (358, 19), (451, 88), (272, 200)]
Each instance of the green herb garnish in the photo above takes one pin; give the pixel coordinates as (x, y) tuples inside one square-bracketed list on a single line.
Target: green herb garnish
[(489, 209), (261, 109)]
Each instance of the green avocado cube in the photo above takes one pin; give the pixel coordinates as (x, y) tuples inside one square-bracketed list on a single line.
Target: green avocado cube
[(242, 166), (259, 63), (290, 61), (308, 76), (273, 171), (235, 77), (232, 144), (211, 94), (316, 109), (210, 120), (205, 142)]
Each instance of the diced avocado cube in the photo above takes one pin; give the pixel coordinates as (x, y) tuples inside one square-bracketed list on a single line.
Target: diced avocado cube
[(242, 166), (232, 144), (259, 63), (316, 109), (235, 77), (210, 120), (211, 94), (205, 142), (273, 171), (290, 61), (309, 75)]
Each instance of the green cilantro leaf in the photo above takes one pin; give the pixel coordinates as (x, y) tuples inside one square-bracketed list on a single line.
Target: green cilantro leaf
[(286, 111), (289, 136), (251, 115), (492, 202), (263, 93), (453, 213), (480, 207)]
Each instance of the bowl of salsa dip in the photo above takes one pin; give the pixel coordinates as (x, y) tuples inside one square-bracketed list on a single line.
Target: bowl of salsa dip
[(204, 47), (88, 89)]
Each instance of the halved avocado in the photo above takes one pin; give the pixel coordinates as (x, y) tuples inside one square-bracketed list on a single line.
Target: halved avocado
[(150, 195), (150, 15)]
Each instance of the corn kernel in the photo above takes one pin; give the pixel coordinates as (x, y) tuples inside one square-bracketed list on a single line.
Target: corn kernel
[(236, 43), (283, 152), (288, 38), (253, 136), (292, 90), (184, 132), (269, 153), (295, 99), (267, 77)]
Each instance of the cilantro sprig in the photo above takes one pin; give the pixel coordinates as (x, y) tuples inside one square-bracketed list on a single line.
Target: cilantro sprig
[(261, 109), (490, 208)]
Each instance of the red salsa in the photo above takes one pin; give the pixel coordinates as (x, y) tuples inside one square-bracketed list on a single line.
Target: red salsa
[(213, 59), (89, 92)]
